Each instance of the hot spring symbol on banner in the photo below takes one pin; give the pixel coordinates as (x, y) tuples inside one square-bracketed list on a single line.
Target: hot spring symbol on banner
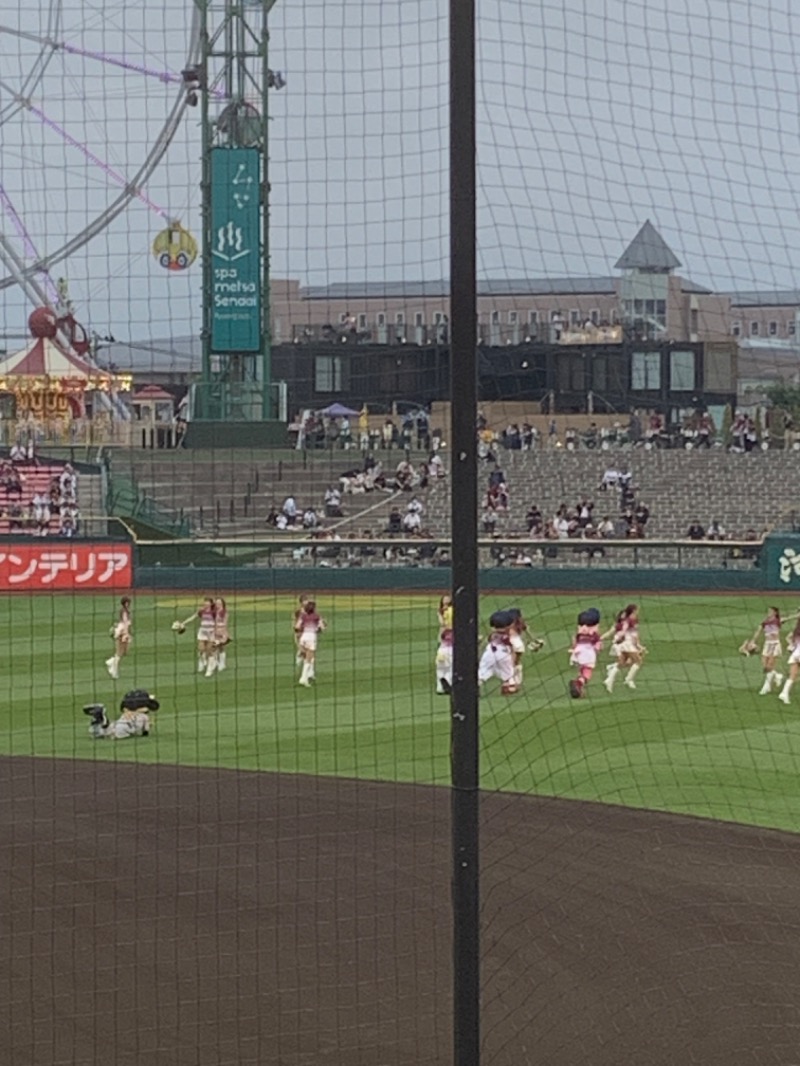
[(236, 274)]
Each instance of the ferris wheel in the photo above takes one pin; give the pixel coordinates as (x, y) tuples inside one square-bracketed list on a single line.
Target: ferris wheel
[(92, 95)]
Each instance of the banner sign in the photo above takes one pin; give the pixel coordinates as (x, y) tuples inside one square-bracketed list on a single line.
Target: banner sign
[(44, 566), (235, 251)]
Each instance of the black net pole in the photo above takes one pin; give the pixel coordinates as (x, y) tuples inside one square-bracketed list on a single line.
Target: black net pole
[(464, 518)]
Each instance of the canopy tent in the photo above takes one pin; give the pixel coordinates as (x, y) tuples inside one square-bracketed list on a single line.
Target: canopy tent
[(338, 410), (151, 392), (44, 364)]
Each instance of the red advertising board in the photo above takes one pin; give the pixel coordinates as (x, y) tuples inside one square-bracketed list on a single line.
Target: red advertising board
[(40, 566)]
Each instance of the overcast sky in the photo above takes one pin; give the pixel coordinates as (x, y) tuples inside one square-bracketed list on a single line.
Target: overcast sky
[(594, 115)]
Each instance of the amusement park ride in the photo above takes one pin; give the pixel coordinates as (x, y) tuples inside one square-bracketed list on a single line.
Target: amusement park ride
[(222, 77)]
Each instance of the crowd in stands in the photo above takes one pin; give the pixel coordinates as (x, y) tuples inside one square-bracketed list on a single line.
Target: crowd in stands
[(412, 430), (37, 499)]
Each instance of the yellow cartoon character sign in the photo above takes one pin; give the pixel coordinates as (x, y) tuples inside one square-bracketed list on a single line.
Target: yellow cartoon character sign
[(175, 248)]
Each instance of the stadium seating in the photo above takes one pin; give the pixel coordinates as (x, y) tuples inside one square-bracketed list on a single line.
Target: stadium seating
[(36, 479)]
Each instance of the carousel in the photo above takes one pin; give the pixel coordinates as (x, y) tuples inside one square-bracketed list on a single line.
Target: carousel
[(50, 388)]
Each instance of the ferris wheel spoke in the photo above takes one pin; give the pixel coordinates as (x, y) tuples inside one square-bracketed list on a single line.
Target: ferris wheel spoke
[(27, 241), (107, 169), (130, 187)]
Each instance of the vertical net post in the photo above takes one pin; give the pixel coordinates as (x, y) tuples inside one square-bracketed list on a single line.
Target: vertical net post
[(464, 509)]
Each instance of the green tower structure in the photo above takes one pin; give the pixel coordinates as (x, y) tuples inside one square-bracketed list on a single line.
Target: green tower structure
[(234, 402)]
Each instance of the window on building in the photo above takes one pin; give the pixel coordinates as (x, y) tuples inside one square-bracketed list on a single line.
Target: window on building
[(600, 373), (646, 371), (594, 316), (400, 319), (513, 318), (773, 329), (343, 317), (495, 319), (791, 327), (439, 318), (681, 371), (331, 373), (575, 318), (380, 318), (661, 313), (736, 329), (533, 318), (694, 324), (570, 373), (754, 328), (362, 321), (418, 318)]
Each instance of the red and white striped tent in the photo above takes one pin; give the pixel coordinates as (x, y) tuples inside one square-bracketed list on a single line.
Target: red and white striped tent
[(44, 364)]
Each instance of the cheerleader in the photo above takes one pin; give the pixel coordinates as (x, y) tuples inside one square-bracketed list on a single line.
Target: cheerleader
[(497, 659), (794, 663), (121, 635), (205, 615), (444, 663), (626, 648), (770, 630), (308, 627), (444, 650), (586, 644), (302, 600), (222, 637)]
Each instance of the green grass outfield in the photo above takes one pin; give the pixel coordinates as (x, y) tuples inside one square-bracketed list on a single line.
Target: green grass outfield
[(695, 737)]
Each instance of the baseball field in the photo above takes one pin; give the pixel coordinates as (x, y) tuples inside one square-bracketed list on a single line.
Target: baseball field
[(264, 879)]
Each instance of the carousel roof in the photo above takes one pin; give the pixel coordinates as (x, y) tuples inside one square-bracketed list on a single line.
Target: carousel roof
[(151, 392), (44, 357)]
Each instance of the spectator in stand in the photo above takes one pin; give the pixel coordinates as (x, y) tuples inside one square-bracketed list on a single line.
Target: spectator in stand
[(289, 510), (705, 430), (423, 431), (41, 514), (641, 514), (436, 466), (412, 523), (489, 521), (13, 482), (333, 503), (404, 476), (19, 453), (606, 528), (695, 531), (67, 526), (310, 520), (395, 525), (635, 531), (388, 435), (715, 531), (584, 510), (750, 435), (534, 521), (521, 559), (281, 522), (407, 433), (610, 479), (422, 476), (345, 433), (68, 483), (15, 518), (415, 506)]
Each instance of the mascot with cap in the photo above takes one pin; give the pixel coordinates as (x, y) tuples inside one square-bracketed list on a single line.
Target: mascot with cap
[(134, 719), (497, 659)]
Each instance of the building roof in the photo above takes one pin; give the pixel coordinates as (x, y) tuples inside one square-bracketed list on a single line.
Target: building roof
[(399, 290), (764, 298), (648, 251), (45, 357)]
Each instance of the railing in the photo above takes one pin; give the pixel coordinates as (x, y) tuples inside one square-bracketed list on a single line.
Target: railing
[(125, 500)]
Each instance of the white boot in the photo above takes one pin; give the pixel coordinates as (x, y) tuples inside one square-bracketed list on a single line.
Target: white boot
[(305, 675), (112, 665), (212, 666), (611, 673), (202, 663), (629, 680), (221, 660), (784, 696)]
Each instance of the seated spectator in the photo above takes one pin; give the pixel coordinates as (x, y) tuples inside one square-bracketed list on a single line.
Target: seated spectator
[(412, 523), (436, 466), (333, 503), (641, 514), (16, 519), (635, 531), (68, 483), (715, 531), (534, 521), (584, 509), (695, 531), (521, 558), (414, 505), (605, 529), (529, 436), (13, 482), (19, 453), (310, 520), (66, 527), (422, 476), (289, 510), (489, 521), (395, 525), (610, 479), (41, 514), (404, 476)]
